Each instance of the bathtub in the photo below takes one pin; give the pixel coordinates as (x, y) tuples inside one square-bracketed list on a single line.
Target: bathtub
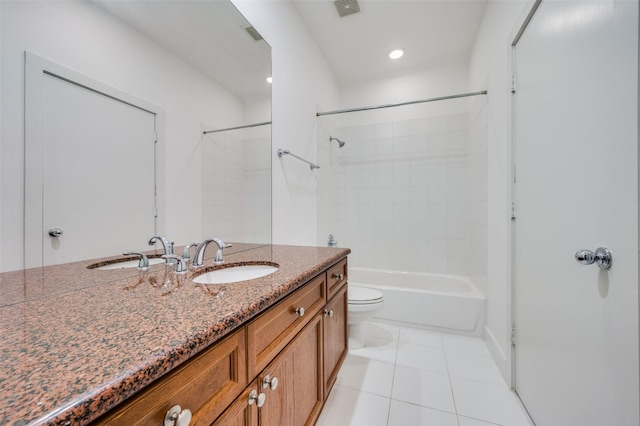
[(447, 303)]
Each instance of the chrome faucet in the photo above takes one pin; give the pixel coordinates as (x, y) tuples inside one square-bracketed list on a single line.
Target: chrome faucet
[(198, 256), (166, 245)]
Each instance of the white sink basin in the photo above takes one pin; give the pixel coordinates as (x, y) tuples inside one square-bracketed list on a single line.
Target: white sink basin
[(235, 274), (127, 264)]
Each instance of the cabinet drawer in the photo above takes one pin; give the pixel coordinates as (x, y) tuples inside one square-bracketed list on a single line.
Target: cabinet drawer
[(336, 277), (205, 385), (268, 334)]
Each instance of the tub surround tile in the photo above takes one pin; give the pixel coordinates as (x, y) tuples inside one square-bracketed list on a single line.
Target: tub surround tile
[(76, 342)]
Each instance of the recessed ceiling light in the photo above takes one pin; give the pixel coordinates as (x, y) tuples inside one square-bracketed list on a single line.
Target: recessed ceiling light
[(396, 53), (269, 80)]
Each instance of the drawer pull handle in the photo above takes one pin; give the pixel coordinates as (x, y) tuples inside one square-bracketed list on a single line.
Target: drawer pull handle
[(300, 311), (328, 313), (176, 416), (271, 382), (337, 276), (257, 398)]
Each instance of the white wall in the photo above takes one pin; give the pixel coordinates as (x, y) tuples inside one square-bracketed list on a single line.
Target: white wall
[(303, 84), (443, 79), (82, 37), (490, 67)]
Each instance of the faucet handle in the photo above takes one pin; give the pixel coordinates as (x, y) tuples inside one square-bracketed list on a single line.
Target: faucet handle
[(181, 267), (143, 264), (187, 248), (221, 246)]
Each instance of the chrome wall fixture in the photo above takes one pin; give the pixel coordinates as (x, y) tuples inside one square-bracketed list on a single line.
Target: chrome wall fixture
[(340, 143), (282, 152)]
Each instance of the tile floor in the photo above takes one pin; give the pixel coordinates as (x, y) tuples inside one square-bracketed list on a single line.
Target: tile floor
[(411, 377)]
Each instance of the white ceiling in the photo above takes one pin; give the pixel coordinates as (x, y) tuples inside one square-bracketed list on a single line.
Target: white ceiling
[(208, 35), (356, 46)]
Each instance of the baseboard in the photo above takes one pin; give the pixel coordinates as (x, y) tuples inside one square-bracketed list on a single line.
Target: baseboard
[(498, 354)]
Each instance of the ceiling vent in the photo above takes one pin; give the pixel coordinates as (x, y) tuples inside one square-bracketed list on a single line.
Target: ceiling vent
[(346, 7), (253, 33)]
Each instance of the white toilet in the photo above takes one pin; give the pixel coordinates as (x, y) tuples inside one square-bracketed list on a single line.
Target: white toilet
[(364, 302)]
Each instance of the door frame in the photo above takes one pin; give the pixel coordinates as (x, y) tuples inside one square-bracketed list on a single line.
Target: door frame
[(521, 26), (34, 68)]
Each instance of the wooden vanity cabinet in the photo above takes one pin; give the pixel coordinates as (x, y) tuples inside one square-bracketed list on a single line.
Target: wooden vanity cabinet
[(301, 342)]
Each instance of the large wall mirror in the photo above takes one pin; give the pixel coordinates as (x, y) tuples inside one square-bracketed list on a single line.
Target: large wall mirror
[(129, 119)]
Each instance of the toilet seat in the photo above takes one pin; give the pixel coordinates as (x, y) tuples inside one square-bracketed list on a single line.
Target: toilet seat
[(364, 296)]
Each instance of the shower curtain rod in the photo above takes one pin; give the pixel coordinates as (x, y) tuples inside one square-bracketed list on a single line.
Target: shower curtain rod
[(237, 127), (441, 98)]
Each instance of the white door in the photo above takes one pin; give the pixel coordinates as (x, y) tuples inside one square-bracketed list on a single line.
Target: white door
[(576, 187), (98, 171)]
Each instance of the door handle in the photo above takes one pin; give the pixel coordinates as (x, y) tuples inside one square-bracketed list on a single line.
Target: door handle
[(55, 232), (601, 257)]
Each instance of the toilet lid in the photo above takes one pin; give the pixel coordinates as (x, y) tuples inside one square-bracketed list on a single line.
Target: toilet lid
[(363, 295)]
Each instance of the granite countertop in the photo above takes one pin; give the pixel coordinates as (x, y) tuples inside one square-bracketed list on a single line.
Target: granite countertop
[(77, 341)]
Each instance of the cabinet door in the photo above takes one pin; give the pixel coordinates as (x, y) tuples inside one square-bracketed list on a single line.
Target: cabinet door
[(241, 413), (335, 337), (278, 407), (298, 398), (307, 379)]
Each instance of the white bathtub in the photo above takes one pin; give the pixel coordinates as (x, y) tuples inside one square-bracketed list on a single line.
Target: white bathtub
[(446, 303)]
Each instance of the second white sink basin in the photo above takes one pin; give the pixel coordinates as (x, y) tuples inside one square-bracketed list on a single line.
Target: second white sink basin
[(235, 274)]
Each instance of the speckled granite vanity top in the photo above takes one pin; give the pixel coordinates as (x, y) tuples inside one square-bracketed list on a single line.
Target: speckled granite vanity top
[(75, 342)]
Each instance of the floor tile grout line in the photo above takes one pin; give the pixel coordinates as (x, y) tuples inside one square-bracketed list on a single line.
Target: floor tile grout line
[(480, 420), (393, 377), (427, 407), (453, 397)]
